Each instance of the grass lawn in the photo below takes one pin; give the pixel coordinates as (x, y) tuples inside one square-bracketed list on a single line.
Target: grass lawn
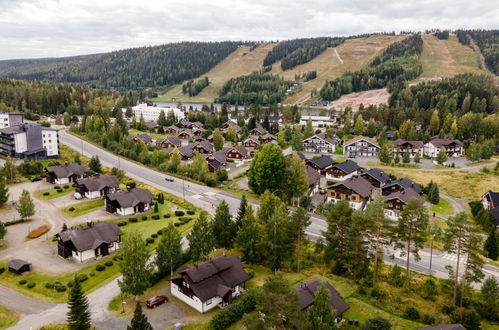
[(3, 244), (52, 192), (152, 135), (83, 207), (443, 207), (377, 164), (459, 184), (41, 292), (7, 318)]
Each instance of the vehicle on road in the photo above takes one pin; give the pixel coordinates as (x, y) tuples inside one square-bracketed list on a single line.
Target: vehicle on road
[(36, 179), (323, 191), (169, 179), (156, 301)]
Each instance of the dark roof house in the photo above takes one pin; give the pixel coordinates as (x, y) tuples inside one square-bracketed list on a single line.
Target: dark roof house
[(18, 266), (96, 186), (129, 201), (306, 293), (347, 167), (376, 176), (399, 184), (67, 172)]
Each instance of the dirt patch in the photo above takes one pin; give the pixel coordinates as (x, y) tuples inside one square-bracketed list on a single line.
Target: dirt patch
[(354, 100)]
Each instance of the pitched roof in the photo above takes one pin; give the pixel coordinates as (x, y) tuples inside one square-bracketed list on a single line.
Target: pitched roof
[(98, 182), (86, 237), (17, 264), (241, 149), (306, 293), (266, 136), (444, 327), (215, 164), (259, 129), (404, 195), (206, 145), (211, 278), (348, 166), (173, 127), (405, 183), (186, 131), (323, 137), (65, 171), (151, 124), (186, 151), (357, 184), (360, 138), (171, 139), (251, 138), (377, 175), (414, 144), (492, 197), (144, 138), (220, 156), (313, 176), (131, 198), (321, 162), (445, 142)]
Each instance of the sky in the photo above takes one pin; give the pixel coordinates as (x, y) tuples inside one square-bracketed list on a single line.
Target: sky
[(55, 28)]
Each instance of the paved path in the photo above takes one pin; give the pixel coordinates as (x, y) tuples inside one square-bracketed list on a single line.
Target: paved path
[(20, 303)]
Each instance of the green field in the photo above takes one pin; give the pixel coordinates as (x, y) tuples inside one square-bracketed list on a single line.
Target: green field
[(7, 318), (52, 192), (83, 207), (443, 207)]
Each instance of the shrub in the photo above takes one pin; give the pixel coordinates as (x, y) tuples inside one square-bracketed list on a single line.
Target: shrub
[(467, 318), (177, 224), (396, 278), (66, 186), (70, 284), (160, 232), (57, 187), (428, 319), (59, 190), (150, 240), (377, 323), (133, 220), (378, 293), (82, 277), (38, 231), (31, 285), (155, 217), (122, 223), (144, 217), (92, 274), (60, 288), (250, 272), (179, 213), (100, 268), (108, 263), (167, 215), (430, 289), (71, 209), (22, 282), (46, 193), (154, 235), (2, 269), (411, 313), (49, 285), (234, 312), (191, 212), (448, 309)]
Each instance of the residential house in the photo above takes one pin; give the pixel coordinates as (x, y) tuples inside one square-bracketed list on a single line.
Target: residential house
[(307, 291), (452, 148), (210, 284), (257, 131), (219, 156), (186, 152), (18, 266), (97, 186), (185, 135), (203, 147), (151, 125), (356, 190), (63, 174), (321, 164), (196, 125), (361, 146), (214, 165), (314, 181), (342, 171), (269, 138), (251, 142), (169, 142), (400, 184), (185, 123), (141, 137), (197, 131), (376, 177), (93, 241), (320, 143), (236, 127), (397, 200), (128, 202), (490, 200), (237, 152), (172, 130), (413, 147), (29, 140)]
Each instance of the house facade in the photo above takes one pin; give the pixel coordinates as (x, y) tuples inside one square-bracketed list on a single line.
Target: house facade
[(237, 152), (319, 143), (64, 174), (356, 190), (29, 140), (342, 171), (452, 148), (93, 241), (318, 121), (135, 200), (490, 200), (321, 164), (152, 112), (210, 284), (97, 186), (251, 142), (414, 148), (361, 146), (396, 201), (169, 142), (8, 119)]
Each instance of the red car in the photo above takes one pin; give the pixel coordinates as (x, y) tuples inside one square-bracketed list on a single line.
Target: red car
[(156, 301)]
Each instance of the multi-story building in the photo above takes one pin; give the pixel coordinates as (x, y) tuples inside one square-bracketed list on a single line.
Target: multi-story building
[(320, 143), (361, 146), (8, 119), (318, 121), (356, 190), (413, 147), (29, 140), (149, 112), (452, 148)]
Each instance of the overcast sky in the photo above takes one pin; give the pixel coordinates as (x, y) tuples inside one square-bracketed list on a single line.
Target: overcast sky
[(51, 28)]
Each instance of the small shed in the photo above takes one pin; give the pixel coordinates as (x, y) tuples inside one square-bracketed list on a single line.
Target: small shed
[(18, 266)]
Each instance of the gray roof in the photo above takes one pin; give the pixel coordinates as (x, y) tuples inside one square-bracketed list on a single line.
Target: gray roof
[(65, 171), (444, 142), (98, 182), (357, 184), (259, 129), (405, 183), (151, 124), (144, 138), (361, 138), (377, 175), (206, 145), (218, 155), (321, 162), (186, 151), (17, 264), (173, 127), (131, 198), (347, 166), (313, 176), (414, 144), (171, 139), (306, 293), (251, 138), (403, 195), (324, 137), (91, 236), (444, 327)]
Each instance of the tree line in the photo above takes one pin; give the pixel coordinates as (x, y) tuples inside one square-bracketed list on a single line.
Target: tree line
[(194, 88), (398, 63), (487, 41)]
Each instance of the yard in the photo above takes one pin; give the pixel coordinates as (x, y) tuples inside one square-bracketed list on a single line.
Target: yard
[(54, 192), (7, 317), (443, 207), (83, 208)]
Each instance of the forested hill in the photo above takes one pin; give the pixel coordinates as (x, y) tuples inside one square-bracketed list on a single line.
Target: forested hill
[(126, 69)]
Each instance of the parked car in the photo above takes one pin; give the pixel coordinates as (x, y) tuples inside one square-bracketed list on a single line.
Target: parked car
[(169, 179), (36, 178), (156, 301), (323, 191)]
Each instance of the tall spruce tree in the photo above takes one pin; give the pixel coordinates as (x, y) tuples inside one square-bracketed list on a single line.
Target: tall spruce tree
[(433, 193), (278, 240), (223, 228), (491, 247), (386, 153), (248, 239), (321, 315), (169, 250), (78, 308), (139, 320), (95, 165), (200, 241), (299, 221), (243, 205)]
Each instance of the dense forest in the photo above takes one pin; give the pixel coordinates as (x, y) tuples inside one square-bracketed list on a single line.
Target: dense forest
[(298, 51), (487, 41), (127, 69), (255, 88), (192, 88), (398, 63), (45, 98)]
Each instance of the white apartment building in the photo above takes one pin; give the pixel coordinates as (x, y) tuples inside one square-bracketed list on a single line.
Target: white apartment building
[(152, 112), (28, 140), (318, 121), (8, 119)]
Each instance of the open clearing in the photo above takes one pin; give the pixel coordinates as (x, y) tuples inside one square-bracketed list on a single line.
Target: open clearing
[(238, 63), (355, 54), (446, 58), (354, 100)]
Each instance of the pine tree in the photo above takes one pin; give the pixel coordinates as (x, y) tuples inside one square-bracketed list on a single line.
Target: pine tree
[(396, 160), (297, 181), (406, 158), (441, 157), (248, 239), (169, 250), (417, 158), (156, 209), (134, 265), (241, 212), (321, 315), (4, 191), (359, 125), (25, 206), (139, 320), (298, 221), (201, 243), (222, 227), (162, 118), (95, 165), (309, 130), (433, 193), (386, 153), (490, 246), (78, 313)]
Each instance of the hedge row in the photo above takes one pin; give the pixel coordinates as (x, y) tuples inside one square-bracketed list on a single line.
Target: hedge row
[(234, 312)]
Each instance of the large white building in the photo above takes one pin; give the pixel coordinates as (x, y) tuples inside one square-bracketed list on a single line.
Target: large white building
[(29, 140), (8, 119), (318, 121), (149, 112)]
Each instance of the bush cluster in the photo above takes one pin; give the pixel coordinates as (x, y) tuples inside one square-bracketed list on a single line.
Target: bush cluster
[(179, 213), (22, 282), (234, 312), (71, 209), (133, 219), (100, 268), (155, 217), (108, 263)]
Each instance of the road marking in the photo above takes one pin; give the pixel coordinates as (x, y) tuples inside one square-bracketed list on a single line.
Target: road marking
[(197, 196), (210, 193)]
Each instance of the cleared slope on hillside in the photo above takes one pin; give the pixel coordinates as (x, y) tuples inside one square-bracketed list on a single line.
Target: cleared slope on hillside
[(238, 63), (446, 58), (354, 53)]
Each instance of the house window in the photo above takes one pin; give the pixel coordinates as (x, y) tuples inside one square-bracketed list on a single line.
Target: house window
[(209, 302)]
